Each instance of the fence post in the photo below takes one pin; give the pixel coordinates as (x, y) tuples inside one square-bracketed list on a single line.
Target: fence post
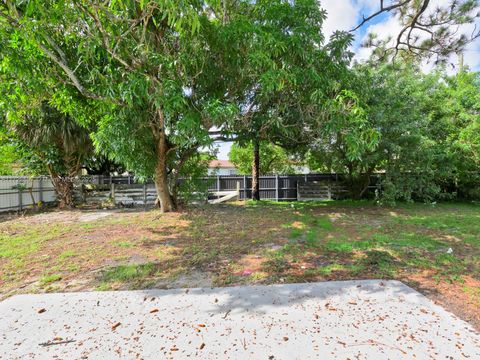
[(145, 195), (276, 187), (329, 189), (244, 187), (238, 190), (112, 186), (20, 198), (40, 189), (218, 183)]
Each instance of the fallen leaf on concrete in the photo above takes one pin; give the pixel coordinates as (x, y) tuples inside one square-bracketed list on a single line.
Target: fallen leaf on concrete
[(114, 326), (153, 311), (42, 310)]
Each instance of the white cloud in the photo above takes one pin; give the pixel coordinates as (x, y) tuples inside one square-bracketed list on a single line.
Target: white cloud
[(368, 6), (341, 15), (388, 28), (391, 27)]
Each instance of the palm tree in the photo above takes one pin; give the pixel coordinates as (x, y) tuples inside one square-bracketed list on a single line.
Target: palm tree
[(60, 143)]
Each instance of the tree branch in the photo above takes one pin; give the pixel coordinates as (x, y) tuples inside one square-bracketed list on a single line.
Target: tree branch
[(379, 12)]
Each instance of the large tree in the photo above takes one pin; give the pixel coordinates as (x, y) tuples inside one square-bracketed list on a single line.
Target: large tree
[(52, 142), (418, 130), (147, 72), (281, 72)]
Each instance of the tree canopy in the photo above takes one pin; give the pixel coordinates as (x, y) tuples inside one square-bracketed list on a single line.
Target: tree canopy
[(273, 159), (147, 85), (419, 132)]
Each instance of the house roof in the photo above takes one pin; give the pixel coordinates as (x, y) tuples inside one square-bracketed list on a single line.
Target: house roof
[(221, 164)]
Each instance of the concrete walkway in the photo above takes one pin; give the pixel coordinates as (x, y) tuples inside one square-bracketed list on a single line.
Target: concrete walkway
[(333, 320)]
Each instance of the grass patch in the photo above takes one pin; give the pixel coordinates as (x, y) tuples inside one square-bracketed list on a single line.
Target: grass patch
[(380, 263), (296, 233), (338, 245), (128, 272), (28, 240), (48, 279), (276, 264), (67, 254), (321, 222), (124, 244)]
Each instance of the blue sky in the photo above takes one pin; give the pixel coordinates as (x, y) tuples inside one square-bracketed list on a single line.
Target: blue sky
[(345, 14)]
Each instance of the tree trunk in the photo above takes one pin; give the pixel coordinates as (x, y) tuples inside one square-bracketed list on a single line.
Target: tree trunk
[(256, 171), (164, 199), (63, 186)]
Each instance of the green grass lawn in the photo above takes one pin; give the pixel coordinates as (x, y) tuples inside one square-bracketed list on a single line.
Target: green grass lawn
[(433, 248)]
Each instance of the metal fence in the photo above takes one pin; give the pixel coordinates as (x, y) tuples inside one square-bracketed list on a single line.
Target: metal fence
[(20, 192), (272, 187), (16, 192)]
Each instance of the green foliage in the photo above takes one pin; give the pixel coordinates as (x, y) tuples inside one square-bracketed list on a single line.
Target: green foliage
[(142, 75), (151, 78), (192, 186), (51, 142), (273, 159), (417, 129), (281, 69), (9, 160)]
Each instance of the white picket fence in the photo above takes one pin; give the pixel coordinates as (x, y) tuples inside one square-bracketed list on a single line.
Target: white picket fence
[(16, 192)]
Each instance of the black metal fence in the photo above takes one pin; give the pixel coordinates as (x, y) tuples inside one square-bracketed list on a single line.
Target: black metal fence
[(272, 187)]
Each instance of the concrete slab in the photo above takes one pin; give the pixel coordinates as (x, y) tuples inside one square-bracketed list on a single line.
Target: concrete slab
[(370, 319)]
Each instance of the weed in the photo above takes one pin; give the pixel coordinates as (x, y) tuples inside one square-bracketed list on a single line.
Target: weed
[(124, 244), (67, 254), (47, 279), (276, 264), (128, 272)]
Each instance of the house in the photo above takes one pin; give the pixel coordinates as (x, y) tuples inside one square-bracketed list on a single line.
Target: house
[(221, 167)]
